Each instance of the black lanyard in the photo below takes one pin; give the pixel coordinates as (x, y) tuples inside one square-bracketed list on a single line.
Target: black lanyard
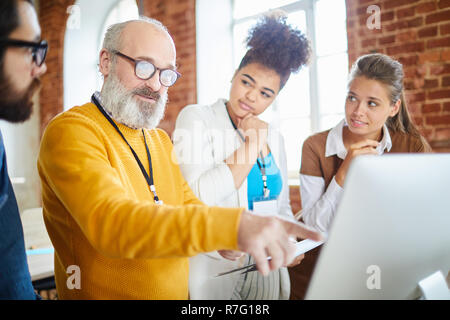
[(148, 178), (262, 168)]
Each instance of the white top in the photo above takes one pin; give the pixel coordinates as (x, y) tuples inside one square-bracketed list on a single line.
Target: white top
[(319, 205), (203, 138)]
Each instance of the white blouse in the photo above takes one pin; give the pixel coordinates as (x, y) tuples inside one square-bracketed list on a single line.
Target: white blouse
[(319, 206)]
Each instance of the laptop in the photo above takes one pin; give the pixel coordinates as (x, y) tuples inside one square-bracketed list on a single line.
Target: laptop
[(390, 238)]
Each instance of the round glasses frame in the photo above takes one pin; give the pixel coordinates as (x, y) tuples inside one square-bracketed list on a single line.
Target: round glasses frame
[(167, 77)]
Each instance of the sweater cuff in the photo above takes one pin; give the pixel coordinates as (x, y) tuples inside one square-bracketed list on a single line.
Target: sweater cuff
[(223, 227)]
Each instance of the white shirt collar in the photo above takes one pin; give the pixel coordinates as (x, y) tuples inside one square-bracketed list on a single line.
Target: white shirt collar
[(335, 142), (98, 95)]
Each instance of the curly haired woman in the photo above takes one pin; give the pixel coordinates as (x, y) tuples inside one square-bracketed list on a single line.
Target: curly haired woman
[(231, 158)]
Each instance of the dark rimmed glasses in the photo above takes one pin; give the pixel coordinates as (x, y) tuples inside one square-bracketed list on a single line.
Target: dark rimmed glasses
[(38, 49), (145, 70)]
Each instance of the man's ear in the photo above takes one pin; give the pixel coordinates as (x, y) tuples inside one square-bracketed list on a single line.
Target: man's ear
[(105, 62), (395, 108)]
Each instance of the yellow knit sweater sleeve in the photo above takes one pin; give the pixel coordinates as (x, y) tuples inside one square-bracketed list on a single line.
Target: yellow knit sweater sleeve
[(79, 171)]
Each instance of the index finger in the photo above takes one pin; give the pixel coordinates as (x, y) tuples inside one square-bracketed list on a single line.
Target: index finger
[(301, 230)]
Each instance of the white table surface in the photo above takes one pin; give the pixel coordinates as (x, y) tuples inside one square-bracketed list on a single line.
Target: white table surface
[(39, 248)]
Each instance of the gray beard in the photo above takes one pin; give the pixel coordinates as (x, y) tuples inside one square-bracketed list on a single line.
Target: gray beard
[(126, 109)]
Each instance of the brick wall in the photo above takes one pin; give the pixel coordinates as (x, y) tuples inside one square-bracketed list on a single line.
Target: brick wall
[(179, 17), (417, 33), (52, 17)]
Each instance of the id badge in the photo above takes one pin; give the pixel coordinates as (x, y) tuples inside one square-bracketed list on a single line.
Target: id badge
[(265, 206)]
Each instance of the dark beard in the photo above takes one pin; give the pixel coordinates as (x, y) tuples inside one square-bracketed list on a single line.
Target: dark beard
[(15, 106)]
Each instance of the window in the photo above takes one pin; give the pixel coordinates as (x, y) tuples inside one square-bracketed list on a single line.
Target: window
[(124, 10), (312, 100), (82, 45)]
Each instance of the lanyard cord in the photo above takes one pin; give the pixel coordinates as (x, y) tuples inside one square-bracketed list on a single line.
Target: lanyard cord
[(264, 176), (262, 168), (148, 178)]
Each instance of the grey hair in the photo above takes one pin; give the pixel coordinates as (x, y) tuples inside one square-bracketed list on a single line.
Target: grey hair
[(113, 35)]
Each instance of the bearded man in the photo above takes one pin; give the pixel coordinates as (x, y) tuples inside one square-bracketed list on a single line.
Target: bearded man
[(121, 217), (22, 56)]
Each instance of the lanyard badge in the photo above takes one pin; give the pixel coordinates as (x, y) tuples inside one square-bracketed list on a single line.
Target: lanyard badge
[(265, 206)]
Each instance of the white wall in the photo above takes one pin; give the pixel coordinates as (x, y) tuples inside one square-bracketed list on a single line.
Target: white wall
[(214, 42)]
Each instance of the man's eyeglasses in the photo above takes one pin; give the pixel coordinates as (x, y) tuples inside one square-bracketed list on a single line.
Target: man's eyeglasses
[(38, 49), (145, 70)]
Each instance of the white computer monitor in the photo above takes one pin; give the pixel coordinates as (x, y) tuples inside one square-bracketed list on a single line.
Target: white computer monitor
[(391, 230)]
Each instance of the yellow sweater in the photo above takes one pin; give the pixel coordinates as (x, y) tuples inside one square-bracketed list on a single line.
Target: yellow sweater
[(101, 217)]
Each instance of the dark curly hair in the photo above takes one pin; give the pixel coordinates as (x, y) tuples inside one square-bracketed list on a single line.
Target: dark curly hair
[(278, 46)]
